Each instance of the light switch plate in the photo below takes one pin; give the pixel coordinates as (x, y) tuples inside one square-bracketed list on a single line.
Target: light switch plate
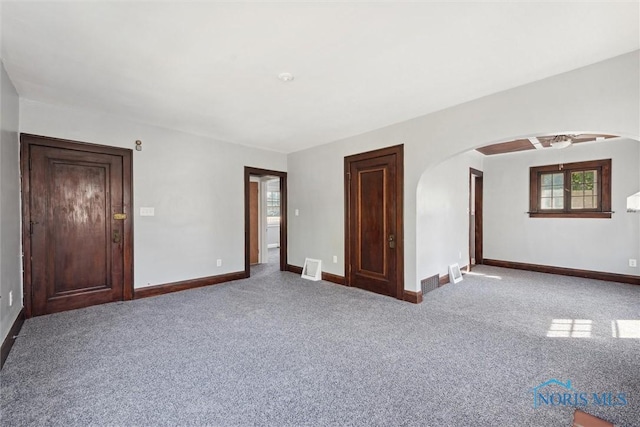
[(147, 211)]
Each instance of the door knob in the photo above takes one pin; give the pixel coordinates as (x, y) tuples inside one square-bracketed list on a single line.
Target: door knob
[(116, 236), (392, 241)]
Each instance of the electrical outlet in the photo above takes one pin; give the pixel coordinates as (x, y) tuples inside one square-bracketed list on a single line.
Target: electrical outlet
[(219, 263), (10, 298), (633, 262), (335, 259), (460, 255)]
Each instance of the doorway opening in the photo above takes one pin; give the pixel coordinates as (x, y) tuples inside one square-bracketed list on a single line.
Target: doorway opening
[(475, 217), (265, 221)]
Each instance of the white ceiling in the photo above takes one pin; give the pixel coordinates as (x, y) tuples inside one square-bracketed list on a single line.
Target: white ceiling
[(211, 68)]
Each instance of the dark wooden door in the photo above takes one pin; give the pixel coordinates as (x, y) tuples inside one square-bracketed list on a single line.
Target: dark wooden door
[(254, 229), (79, 225), (478, 220), (374, 237)]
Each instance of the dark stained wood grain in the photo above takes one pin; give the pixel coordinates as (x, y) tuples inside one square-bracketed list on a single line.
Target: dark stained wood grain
[(76, 253), (588, 274), (7, 344), (374, 242), (333, 278), (409, 296), (166, 288), (525, 144), (506, 147), (478, 235), (79, 222), (604, 192), (328, 277), (372, 229), (443, 280), (294, 269), (413, 297), (569, 215)]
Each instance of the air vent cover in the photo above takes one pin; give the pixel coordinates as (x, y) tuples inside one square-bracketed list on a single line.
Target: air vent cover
[(429, 284), (312, 269)]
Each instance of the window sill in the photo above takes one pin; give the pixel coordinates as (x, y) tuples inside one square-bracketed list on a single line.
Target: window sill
[(570, 214)]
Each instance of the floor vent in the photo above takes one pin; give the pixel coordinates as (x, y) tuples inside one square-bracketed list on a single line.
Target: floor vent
[(429, 284)]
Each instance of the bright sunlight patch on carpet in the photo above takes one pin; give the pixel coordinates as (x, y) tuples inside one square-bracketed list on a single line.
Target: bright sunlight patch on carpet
[(625, 328), (573, 328)]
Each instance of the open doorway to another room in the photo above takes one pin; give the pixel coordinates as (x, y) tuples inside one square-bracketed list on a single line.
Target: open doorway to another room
[(475, 217), (264, 218), (272, 216), (265, 221)]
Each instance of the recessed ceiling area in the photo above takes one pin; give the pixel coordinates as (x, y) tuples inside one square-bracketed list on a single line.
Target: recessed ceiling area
[(211, 68), (541, 143)]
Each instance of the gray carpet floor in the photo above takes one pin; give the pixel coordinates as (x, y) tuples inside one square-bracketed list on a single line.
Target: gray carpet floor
[(277, 350)]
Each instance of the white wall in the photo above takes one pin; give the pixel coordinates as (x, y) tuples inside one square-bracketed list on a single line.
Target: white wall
[(195, 184), (316, 188), (603, 97), (10, 250), (585, 243), (443, 215), (273, 236)]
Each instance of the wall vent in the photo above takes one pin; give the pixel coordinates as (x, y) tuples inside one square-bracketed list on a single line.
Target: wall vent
[(429, 284)]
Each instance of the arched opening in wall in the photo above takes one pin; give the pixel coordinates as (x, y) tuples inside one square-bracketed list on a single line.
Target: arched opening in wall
[(565, 242)]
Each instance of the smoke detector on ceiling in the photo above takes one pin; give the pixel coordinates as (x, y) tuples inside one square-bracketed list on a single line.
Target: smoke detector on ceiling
[(285, 77)]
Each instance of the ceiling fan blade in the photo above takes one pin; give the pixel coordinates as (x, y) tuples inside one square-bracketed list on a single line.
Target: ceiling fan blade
[(545, 141), (586, 137), (578, 140)]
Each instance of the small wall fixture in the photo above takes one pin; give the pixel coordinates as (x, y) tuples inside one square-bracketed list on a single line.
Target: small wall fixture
[(138, 145)]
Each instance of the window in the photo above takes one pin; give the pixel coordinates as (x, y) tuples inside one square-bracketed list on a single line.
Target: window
[(273, 207), (574, 190)]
